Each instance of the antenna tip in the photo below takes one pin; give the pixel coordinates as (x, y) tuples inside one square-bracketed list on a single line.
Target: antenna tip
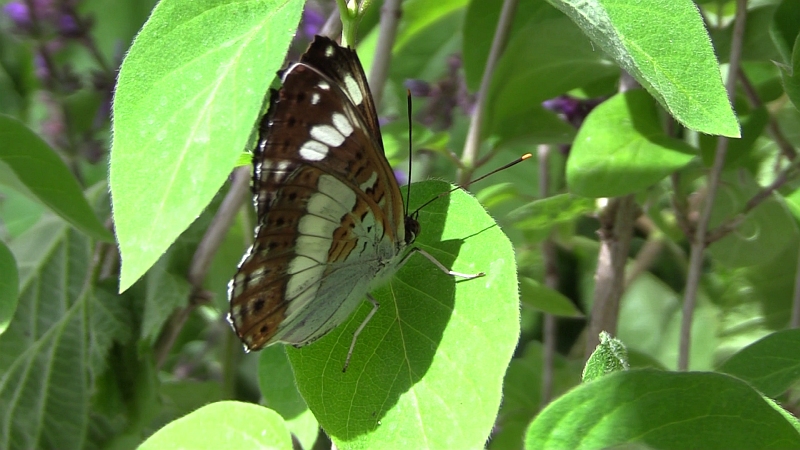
[(525, 156)]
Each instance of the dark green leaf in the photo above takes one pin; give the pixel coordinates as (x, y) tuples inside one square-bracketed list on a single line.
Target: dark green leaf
[(434, 355), (38, 167), (770, 365), (671, 411), (547, 300)]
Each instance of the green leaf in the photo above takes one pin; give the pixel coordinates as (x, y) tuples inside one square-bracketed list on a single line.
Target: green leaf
[(767, 231), (56, 346), (545, 213), (188, 96), (164, 293), (527, 75), (542, 298), (665, 46), (224, 425), (791, 76), (280, 394), (670, 410), (785, 28), (480, 25), (771, 365), (9, 286), (40, 169), (522, 393), (610, 356), (621, 148), (427, 370)]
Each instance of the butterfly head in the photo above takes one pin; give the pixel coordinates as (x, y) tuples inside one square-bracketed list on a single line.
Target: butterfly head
[(412, 228)]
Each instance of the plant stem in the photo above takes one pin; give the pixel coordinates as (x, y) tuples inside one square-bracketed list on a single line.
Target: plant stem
[(699, 243), (473, 142)]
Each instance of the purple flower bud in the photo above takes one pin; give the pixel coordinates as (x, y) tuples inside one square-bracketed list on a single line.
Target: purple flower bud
[(401, 176), (68, 26), (18, 13), (312, 21), (418, 88)]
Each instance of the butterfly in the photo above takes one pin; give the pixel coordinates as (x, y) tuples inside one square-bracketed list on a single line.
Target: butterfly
[(331, 224)]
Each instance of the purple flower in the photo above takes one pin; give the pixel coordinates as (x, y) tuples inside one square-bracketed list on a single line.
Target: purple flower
[(312, 21), (18, 13), (418, 88)]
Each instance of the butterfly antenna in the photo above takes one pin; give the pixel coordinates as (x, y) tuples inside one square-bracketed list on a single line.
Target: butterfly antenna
[(408, 184), (512, 163)]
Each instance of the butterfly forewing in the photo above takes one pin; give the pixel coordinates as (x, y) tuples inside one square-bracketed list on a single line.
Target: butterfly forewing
[(329, 211)]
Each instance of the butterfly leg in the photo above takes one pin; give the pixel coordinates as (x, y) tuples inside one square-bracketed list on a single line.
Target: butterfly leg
[(375, 306), (467, 276)]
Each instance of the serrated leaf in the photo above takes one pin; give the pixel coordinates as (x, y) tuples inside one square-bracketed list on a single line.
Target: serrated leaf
[(41, 170), (610, 356), (427, 370), (223, 425), (771, 364), (9, 286), (665, 46), (622, 148), (56, 344), (164, 293), (189, 92), (696, 407)]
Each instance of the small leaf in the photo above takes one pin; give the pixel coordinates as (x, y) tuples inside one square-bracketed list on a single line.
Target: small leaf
[(434, 355), (545, 213), (547, 300), (621, 148), (695, 406), (225, 424), (665, 46), (771, 365), (38, 167), (186, 102), (610, 356)]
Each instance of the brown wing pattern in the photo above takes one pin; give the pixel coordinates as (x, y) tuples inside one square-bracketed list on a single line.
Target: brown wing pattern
[(316, 99)]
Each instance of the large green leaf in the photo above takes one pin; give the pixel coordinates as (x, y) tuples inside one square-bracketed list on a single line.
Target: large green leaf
[(57, 343), (46, 176), (427, 370), (223, 425), (662, 410), (188, 95), (771, 365), (622, 148), (665, 46)]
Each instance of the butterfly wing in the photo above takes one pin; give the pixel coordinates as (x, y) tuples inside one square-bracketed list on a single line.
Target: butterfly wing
[(329, 209)]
